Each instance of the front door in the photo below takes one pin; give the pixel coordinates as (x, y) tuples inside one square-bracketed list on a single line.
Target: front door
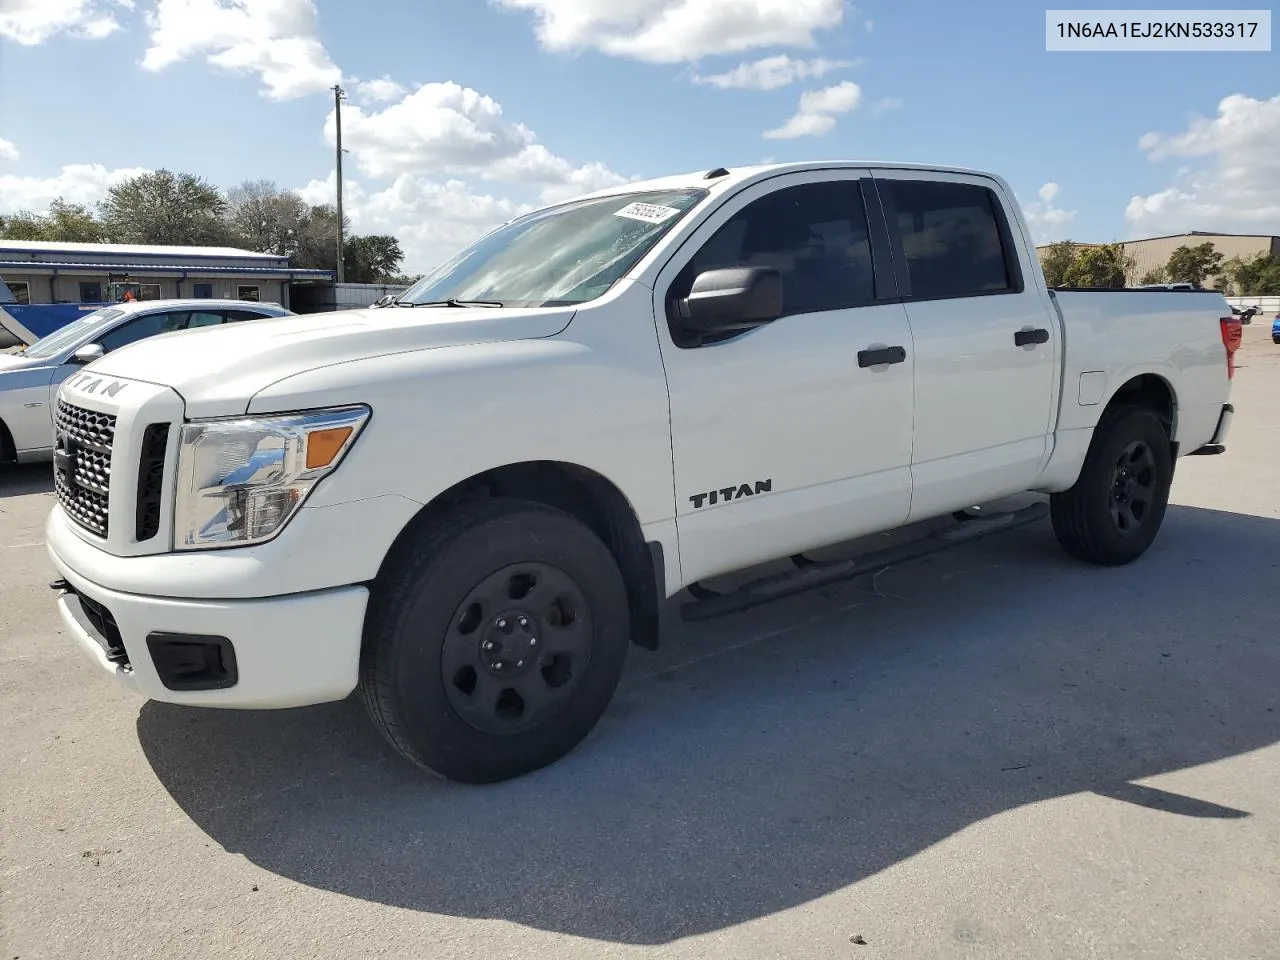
[(987, 344), (783, 438)]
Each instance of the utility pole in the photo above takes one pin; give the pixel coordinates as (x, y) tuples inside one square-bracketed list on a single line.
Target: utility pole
[(338, 94)]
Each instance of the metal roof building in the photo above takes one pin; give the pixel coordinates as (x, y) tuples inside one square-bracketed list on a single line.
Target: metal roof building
[(38, 271), (1152, 253)]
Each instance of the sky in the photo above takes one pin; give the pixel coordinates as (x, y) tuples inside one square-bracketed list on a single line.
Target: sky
[(463, 113)]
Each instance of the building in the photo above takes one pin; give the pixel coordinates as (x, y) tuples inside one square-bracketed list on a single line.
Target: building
[(38, 271), (1153, 253)]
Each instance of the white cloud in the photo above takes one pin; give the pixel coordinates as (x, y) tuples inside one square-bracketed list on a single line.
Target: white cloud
[(30, 22), (432, 220), (380, 90), (885, 104), (772, 73), (276, 39), (818, 110), (674, 31), (1233, 180), (76, 183), (1044, 217), (7, 150), (446, 127)]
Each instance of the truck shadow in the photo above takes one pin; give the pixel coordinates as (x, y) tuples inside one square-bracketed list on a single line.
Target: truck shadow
[(746, 769), (20, 480)]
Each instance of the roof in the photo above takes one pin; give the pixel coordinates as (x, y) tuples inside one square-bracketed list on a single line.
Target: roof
[(737, 176), (1206, 234), (131, 249), (164, 269), (188, 303)]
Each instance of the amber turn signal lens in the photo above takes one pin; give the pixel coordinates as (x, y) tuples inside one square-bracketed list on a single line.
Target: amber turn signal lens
[(323, 446)]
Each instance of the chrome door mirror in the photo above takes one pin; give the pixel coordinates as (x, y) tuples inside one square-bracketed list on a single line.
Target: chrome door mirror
[(87, 353)]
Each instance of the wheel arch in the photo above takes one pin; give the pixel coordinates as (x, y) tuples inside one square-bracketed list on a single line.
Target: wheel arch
[(582, 493), (8, 449), (1149, 391)]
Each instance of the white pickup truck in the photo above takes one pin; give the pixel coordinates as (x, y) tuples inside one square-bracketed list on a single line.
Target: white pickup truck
[(470, 503)]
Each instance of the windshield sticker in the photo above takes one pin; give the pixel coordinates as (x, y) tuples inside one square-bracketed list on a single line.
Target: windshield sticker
[(647, 212)]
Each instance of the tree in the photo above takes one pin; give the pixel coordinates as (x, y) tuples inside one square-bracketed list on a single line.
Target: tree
[(1102, 266), (265, 218), (1057, 261), (1154, 276), (1259, 276), (73, 222), (23, 225), (318, 239), (1193, 264), (371, 259), (166, 208)]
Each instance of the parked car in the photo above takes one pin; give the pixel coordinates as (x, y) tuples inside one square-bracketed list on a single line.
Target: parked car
[(469, 505), (1275, 329), (29, 379)]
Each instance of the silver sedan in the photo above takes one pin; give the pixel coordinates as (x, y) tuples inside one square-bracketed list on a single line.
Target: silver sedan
[(29, 379)]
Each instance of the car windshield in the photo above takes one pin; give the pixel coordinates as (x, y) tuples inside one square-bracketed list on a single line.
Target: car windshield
[(67, 336), (562, 255)]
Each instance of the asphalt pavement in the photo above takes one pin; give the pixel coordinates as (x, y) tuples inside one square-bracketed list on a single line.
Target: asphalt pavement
[(993, 752)]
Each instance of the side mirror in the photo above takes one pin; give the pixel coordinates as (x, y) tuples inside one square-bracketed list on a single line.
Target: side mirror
[(88, 353), (733, 298)]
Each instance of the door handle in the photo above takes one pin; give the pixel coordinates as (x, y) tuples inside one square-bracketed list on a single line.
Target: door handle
[(1024, 338), (875, 357)]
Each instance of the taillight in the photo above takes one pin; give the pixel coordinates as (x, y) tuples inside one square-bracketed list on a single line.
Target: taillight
[(1232, 333)]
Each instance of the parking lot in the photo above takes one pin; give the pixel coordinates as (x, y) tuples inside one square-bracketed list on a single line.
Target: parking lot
[(992, 752)]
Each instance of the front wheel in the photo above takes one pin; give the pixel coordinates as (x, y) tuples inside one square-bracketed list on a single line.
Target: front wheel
[(496, 642), (1115, 509)]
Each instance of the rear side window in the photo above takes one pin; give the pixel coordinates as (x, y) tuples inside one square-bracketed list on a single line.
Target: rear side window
[(954, 237)]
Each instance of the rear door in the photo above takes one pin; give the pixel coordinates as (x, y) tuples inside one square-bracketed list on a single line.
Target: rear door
[(987, 348), (790, 435)]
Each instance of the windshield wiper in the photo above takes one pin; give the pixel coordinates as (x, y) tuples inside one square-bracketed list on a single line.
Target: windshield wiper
[(451, 302)]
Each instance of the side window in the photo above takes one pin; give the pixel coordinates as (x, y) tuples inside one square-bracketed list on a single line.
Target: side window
[(238, 316), (815, 235), (204, 318), (954, 238), (140, 328), (21, 291)]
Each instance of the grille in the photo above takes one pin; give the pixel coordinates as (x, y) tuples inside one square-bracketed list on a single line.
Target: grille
[(82, 464), (151, 480), (104, 622)]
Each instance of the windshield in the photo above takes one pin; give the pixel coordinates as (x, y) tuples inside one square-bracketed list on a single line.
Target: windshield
[(67, 336), (559, 256)]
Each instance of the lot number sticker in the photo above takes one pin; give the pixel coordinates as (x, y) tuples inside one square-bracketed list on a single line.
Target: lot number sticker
[(647, 212)]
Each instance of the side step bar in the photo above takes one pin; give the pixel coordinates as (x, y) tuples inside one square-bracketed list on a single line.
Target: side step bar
[(811, 574)]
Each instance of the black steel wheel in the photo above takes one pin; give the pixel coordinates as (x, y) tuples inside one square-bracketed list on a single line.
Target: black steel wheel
[(517, 648), (495, 640), (1117, 505)]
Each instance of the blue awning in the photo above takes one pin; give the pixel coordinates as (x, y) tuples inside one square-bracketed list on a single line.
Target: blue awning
[(167, 269)]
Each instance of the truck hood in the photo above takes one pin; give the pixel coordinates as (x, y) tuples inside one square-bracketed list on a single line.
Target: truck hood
[(217, 370)]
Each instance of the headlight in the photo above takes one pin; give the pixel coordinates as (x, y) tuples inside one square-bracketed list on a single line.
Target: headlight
[(239, 481)]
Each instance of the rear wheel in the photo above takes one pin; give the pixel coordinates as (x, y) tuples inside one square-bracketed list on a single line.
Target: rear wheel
[(1115, 509), (7, 450), (496, 643)]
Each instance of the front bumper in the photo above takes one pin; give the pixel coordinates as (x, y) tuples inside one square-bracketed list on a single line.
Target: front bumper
[(272, 652)]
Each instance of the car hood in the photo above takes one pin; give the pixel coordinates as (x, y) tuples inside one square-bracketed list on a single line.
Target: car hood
[(11, 361), (217, 370)]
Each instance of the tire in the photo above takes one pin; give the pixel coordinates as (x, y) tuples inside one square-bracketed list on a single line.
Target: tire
[(1114, 511), (495, 641), (1275, 339), (7, 451)]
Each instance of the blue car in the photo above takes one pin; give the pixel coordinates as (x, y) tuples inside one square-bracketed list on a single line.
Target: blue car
[(1275, 329)]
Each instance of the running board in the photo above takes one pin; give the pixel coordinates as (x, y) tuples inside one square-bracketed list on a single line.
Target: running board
[(811, 574)]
